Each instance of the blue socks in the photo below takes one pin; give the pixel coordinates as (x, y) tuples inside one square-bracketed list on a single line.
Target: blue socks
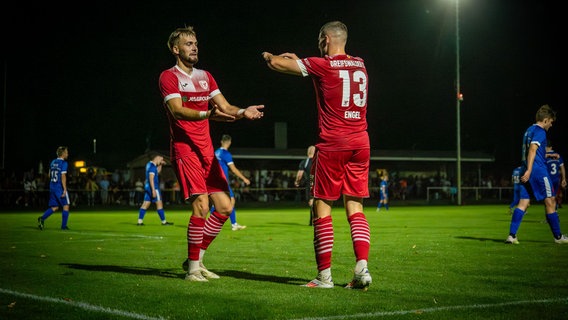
[(554, 223), (47, 213), (162, 215), (516, 221), (64, 218), (141, 214)]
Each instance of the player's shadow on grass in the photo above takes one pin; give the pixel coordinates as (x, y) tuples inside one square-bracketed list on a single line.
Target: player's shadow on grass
[(260, 277), (170, 274), (480, 239), (525, 221), (120, 269), (490, 239)]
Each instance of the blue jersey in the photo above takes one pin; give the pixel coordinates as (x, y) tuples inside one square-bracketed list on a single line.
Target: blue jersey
[(516, 176), (516, 180), (539, 180), (151, 173), (384, 190), (535, 134), (225, 159), (57, 168), (57, 198), (554, 168)]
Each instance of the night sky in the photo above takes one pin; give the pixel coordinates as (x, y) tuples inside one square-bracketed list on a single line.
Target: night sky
[(91, 72)]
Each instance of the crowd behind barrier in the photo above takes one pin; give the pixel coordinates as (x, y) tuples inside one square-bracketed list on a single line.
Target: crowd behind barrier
[(31, 189)]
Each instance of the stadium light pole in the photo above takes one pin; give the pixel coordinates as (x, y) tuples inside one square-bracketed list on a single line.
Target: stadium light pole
[(459, 97)]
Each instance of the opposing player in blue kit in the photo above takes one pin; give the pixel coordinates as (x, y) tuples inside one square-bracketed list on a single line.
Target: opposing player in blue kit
[(536, 180), (152, 193), (58, 195)]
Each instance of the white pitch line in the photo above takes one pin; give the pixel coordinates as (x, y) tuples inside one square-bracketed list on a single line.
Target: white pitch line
[(119, 235), (429, 310), (82, 305), (122, 237)]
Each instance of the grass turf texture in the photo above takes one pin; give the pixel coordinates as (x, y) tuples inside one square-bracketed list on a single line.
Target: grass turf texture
[(430, 262)]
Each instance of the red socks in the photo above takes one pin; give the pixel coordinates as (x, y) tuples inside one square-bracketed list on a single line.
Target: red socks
[(360, 235), (323, 242)]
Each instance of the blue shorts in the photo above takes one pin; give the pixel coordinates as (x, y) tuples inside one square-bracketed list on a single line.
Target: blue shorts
[(539, 188), (148, 195), (56, 200)]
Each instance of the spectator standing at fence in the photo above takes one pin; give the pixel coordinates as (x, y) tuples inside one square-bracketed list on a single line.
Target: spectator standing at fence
[(304, 178), (58, 195), (91, 187), (384, 192), (30, 191), (104, 187), (152, 193), (187, 92), (139, 189), (516, 181), (225, 158), (557, 172), (29, 186), (341, 162), (536, 179)]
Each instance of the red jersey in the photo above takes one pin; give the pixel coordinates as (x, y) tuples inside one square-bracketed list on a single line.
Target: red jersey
[(195, 90), (341, 86), (192, 153)]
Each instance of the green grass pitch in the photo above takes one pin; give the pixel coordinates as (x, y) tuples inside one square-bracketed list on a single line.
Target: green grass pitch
[(427, 262)]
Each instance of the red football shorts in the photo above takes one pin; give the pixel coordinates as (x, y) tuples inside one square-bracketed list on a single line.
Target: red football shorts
[(199, 175), (339, 173)]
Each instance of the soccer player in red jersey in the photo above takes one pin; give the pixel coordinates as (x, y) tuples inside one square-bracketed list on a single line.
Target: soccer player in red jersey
[(341, 163), (187, 93)]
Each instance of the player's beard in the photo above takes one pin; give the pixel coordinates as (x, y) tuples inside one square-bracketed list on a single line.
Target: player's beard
[(193, 59), (190, 58)]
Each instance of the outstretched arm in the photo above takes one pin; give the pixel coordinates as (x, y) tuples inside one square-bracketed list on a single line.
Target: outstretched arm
[(252, 112), (284, 63), (177, 110)]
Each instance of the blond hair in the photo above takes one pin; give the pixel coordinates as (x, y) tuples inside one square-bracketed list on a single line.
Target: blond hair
[(175, 35)]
